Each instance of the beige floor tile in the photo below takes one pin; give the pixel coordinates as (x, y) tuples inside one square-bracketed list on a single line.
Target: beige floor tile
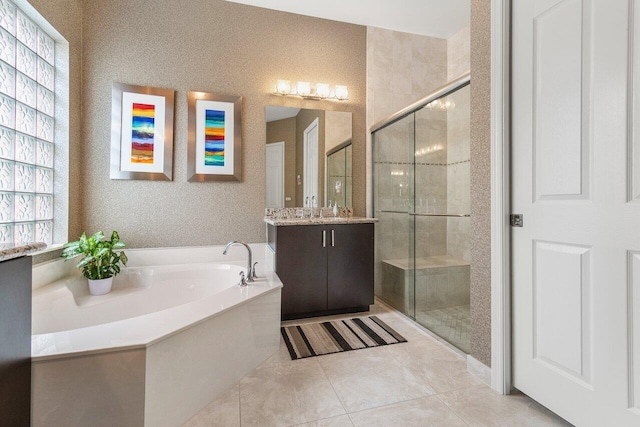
[(481, 406), (281, 357), (443, 369), (339, 421), (287, 394), (382, 351), (405, 328), (223, 412), (366, 381), (428, 411)]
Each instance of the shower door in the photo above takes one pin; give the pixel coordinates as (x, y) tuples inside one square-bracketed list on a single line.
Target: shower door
[(442, 193), (421, 199), (393, 203)]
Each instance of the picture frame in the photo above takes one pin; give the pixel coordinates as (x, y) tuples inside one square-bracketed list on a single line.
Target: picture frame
[(141, 132), (214, 149)]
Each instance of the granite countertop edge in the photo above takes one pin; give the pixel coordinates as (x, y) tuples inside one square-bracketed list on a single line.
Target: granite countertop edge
[(8, 252), (319, 221)]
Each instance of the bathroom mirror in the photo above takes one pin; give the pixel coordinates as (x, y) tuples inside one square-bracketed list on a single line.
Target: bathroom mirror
[(308, 154)]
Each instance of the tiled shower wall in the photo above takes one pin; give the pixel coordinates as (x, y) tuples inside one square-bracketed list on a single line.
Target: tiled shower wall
[(403, 68), (458, 149)]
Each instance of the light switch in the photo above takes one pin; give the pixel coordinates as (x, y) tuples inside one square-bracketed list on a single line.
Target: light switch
[(287, 199)]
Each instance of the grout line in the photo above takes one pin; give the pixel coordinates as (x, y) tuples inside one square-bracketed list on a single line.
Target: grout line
[(421, 328), (423, 163), (333, 388), (240, 402), (391, 404), (452, 411), (461, 388)]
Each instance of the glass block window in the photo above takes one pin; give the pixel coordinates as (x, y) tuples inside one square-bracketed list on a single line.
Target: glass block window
[(27, 104)]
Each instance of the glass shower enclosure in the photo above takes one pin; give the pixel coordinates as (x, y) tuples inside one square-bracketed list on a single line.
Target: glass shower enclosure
[(421, 160)]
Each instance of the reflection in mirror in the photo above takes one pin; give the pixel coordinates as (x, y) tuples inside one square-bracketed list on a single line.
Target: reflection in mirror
[(339, 176), (300, 162)]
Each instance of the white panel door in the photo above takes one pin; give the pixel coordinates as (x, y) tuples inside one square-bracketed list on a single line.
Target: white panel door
[(275, 175), (310, 163), (576, 261)]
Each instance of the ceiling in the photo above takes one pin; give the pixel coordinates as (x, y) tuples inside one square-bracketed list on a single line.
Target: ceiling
[(278, 113), (435, 18)]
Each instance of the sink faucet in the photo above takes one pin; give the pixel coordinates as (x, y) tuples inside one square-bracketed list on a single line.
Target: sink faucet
[(251, 267)]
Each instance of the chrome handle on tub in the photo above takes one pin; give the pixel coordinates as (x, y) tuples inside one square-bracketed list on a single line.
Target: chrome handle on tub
[(253, 271), (242, 282), (333, 237)]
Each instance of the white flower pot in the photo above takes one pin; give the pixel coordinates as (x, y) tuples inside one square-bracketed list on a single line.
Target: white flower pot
[(100, 286)]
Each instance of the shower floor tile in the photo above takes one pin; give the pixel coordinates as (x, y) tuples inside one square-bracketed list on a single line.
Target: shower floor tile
[(451, 324)]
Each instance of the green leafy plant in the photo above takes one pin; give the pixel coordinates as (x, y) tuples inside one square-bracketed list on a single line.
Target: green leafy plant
[(100, 259)]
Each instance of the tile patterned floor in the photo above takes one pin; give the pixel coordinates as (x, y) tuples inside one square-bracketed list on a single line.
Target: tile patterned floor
[(418, 383), (452, 324)]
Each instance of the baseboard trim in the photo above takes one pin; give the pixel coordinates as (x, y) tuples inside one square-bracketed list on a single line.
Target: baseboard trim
[(479, 369)]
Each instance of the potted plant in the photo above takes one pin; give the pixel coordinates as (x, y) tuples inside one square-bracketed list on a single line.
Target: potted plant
[(100, 262)]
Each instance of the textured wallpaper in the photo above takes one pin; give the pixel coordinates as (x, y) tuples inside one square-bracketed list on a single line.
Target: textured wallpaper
[(211, 46), (481, 180)]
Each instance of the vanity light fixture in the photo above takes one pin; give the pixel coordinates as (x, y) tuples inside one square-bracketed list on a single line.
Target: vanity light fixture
[(304, 90)]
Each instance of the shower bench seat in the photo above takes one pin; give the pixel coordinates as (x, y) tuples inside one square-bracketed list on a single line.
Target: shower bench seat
[(441, 281)]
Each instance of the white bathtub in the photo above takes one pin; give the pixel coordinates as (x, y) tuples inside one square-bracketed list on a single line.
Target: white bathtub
[(173, 334)]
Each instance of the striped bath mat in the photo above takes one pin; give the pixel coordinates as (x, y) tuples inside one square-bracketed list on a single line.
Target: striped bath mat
[(315, 339)]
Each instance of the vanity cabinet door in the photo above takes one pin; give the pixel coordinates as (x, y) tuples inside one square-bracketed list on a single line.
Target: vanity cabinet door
[(301, 264), (350, 265)]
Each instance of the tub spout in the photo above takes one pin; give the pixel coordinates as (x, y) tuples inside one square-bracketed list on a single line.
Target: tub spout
[(251, 269)]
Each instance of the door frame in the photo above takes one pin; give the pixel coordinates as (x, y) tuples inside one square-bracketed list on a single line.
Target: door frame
[(281, 144), (305, 152), (501, 350)]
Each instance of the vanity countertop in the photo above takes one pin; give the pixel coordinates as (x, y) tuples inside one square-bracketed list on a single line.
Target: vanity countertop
[(319, 221), (10, 251)]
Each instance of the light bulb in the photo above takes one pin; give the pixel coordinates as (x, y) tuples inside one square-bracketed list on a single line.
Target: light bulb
[(322, 90), (341, 93), (303, 88), (283, 87)]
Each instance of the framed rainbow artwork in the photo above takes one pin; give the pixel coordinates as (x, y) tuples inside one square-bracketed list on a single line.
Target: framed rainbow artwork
[(213, 137), (215, 140), (141, 132)]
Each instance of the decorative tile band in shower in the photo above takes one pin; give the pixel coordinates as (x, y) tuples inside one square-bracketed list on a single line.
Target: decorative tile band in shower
[(422, 164)]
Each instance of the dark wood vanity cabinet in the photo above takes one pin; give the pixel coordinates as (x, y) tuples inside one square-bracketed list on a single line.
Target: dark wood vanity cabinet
[(325, 269), (349, 266), (15, 342)]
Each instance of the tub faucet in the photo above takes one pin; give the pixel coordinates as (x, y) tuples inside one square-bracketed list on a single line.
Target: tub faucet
[(251, 267)]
